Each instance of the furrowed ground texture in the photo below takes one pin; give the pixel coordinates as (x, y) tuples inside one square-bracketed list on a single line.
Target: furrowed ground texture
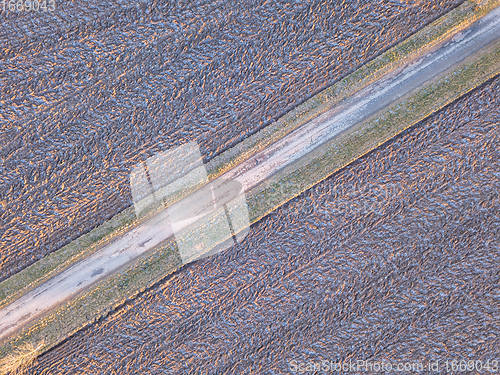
[(395, 257), (93, 88)]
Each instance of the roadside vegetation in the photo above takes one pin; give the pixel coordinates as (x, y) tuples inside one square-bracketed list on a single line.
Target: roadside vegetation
[(18, 362)]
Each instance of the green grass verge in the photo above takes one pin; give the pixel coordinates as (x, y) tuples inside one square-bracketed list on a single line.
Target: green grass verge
[(357, 141), (159, 262), (422, 41), (97, 300), (57, 261)]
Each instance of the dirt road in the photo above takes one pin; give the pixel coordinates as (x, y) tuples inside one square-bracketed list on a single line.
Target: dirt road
[(353, 110)]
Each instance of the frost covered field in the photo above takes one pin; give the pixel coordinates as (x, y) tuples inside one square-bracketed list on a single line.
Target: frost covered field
[(93, 88)]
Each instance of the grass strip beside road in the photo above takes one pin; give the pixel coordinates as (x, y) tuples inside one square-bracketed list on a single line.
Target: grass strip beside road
[(365, 137), (421, 42)]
